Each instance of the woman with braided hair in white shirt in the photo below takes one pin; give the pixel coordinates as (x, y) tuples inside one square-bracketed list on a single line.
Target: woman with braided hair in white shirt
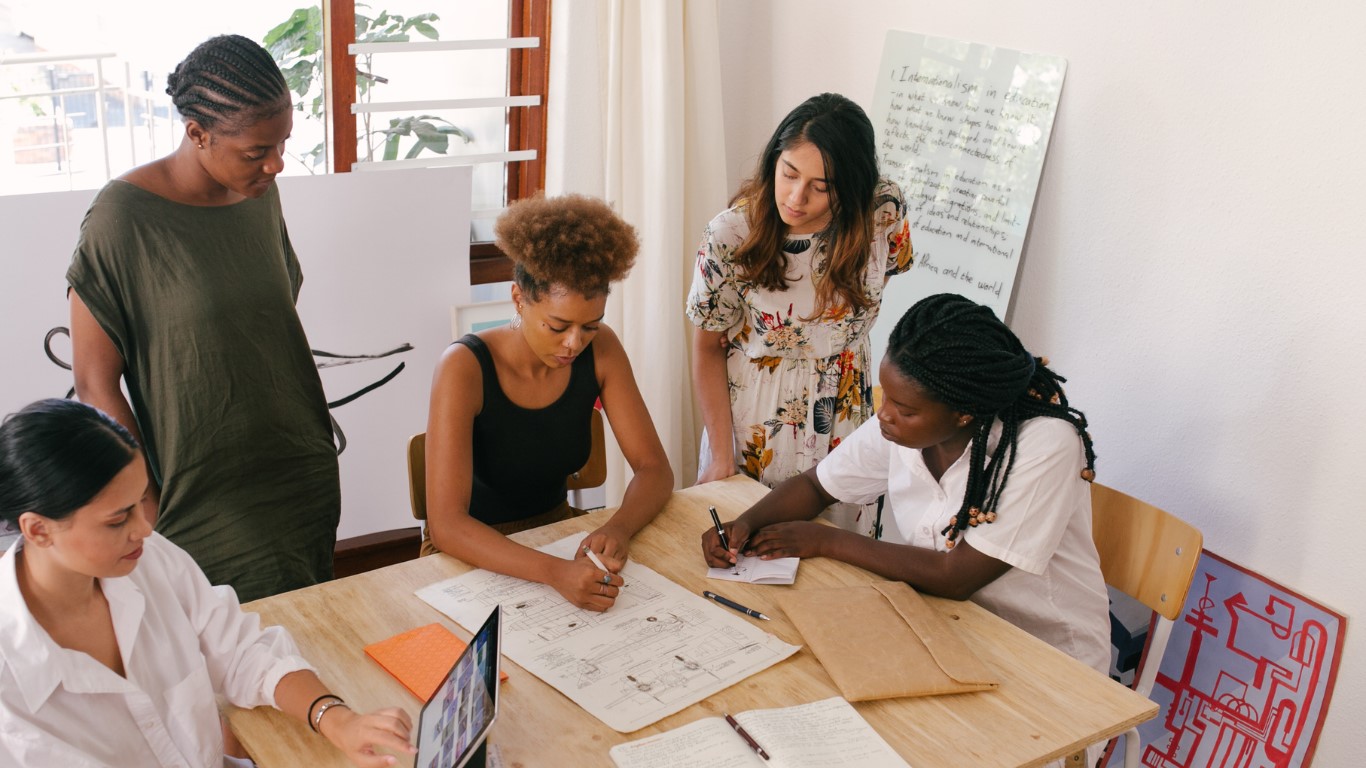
[(982, 467), (113, 644), (982, 472)]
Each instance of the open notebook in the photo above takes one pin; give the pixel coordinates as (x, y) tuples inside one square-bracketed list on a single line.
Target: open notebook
[(755, 571), (822, 734)]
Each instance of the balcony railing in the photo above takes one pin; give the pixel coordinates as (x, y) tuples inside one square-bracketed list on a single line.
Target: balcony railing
[(63, 159)]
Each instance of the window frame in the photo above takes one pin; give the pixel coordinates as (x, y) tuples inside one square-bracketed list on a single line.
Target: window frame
[(528, 75)]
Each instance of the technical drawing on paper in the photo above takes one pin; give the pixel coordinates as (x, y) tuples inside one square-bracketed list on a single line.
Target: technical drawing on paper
[(659, 649)]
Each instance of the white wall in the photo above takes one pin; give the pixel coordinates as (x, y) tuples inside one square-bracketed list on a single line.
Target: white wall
[(369, 286), (1195, 260)]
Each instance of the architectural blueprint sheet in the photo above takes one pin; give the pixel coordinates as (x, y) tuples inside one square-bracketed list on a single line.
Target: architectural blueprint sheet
[(659, 649)]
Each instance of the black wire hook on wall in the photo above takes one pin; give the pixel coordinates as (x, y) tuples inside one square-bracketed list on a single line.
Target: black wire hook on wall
[(332, 360)]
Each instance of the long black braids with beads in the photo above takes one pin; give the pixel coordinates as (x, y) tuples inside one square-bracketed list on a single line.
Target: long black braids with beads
[(969, 360), (226, 79)]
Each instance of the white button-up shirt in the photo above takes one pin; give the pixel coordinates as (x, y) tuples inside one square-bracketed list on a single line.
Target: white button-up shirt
[(182, 641), (1054, 589)]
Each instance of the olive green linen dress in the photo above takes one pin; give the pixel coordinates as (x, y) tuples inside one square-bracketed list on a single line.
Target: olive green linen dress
[(199, 301)]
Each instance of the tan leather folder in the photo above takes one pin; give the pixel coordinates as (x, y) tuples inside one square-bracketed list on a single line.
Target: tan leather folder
[(883, 641)]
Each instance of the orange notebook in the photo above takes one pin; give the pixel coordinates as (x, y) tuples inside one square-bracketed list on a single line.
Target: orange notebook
[(420, 658)]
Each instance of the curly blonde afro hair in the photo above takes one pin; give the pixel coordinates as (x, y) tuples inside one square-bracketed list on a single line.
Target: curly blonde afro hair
[(573, 242)]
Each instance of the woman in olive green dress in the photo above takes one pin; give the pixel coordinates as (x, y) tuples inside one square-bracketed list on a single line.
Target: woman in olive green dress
[(183, 286)]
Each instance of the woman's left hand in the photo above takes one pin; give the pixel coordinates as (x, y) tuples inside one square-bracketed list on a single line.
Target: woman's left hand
[(793, 539), (611, 545), (361, 736)]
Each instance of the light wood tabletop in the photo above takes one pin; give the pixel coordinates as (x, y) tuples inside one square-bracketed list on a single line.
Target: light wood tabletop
[(1047, 706)]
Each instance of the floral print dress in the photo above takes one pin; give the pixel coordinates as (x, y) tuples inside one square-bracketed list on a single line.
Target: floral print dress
[(797, 386)]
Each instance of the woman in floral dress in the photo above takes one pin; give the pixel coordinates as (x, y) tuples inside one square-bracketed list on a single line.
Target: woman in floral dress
[(789, 281)]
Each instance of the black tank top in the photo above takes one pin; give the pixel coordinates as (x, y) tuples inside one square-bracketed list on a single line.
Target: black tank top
[(523, 455)]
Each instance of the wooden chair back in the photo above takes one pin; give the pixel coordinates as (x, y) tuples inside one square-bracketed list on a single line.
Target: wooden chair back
[(1149, 555), (591, 475), (594, 471), (417, 474), (1145, 553)]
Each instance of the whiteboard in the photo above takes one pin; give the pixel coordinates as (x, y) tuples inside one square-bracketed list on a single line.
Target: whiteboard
[(384, 255), (963, 127)]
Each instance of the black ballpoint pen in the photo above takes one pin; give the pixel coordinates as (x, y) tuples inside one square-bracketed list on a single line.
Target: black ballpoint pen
[(719, 530), (732, 604)]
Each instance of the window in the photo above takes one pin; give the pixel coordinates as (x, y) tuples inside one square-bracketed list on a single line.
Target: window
[(499, 127), (82, 91)]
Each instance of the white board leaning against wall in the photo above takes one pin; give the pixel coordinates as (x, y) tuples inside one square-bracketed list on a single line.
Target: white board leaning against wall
[(963, 128), (384, 255)]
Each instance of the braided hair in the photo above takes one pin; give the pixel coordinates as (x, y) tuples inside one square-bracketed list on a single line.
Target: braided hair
[(969, 360), (225, 79)]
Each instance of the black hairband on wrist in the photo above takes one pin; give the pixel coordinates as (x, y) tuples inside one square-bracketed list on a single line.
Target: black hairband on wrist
[(308, 714)]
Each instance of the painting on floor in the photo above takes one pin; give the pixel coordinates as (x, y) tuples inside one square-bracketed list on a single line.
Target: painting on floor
[(1246, 678)]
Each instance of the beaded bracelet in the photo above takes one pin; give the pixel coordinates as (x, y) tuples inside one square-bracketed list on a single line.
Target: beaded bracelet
[(308, 713), (318, 718)]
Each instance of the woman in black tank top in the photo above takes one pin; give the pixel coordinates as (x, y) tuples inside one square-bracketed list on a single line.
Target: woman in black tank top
[(511, 407)]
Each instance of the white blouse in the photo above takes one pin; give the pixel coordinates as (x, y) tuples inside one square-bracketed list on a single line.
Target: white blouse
[(182, 642), (1054, 589)]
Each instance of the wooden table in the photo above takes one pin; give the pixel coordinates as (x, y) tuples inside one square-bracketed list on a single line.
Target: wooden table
[(1048, 705)]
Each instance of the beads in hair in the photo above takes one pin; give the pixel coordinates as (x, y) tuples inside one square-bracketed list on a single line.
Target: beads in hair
[(969, 360)]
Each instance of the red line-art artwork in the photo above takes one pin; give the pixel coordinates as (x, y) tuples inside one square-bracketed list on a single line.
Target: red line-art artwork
[(1246, 678)]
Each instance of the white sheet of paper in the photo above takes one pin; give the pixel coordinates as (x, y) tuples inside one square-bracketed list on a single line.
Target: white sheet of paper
[(752, 570), (659, 649)]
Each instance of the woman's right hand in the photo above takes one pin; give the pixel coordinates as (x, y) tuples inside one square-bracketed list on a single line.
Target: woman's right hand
[(585, 585), (361, 736), (737, 535)]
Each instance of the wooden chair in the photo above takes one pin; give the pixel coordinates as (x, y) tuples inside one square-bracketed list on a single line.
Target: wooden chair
[(1149, 555), (591, 475)]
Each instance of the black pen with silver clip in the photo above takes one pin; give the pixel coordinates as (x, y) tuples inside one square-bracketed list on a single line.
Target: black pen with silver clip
[(732, 604)]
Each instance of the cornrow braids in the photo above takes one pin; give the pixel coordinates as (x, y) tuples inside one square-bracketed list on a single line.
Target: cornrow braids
[(969, 360), (225, 79)]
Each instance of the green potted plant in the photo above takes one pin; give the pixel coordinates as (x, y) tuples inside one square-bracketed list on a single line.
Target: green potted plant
[(297, 45)]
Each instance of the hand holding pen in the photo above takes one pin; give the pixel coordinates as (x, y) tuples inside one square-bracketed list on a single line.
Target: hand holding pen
[(723, 542), (608, 543), (720, 530), (583, 583)]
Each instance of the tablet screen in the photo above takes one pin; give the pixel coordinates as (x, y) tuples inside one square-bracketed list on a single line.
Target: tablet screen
[(456, 719)]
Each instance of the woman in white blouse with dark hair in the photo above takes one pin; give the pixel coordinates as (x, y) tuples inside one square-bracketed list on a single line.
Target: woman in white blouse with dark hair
[(113, 644)]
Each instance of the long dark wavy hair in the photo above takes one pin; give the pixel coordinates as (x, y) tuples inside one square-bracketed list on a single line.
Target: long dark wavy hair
[(842, 132)]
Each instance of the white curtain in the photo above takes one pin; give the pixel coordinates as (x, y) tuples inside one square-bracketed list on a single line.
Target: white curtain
[(634, 117)]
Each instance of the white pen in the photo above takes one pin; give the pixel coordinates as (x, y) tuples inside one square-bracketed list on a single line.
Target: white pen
[(594, 557), (598, 562)]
